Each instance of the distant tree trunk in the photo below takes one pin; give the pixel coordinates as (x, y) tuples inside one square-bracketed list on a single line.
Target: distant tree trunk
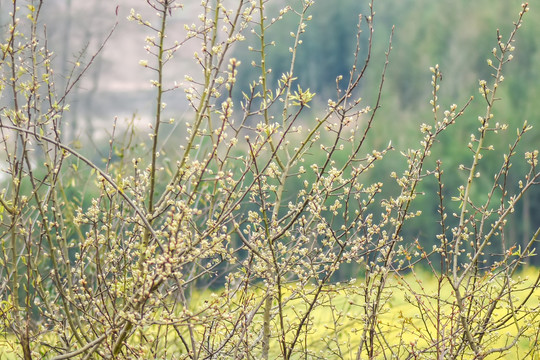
[(90, 95), (66, 50)]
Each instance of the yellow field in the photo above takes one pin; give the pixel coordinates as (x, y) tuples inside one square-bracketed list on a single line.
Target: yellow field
[(407, 321)]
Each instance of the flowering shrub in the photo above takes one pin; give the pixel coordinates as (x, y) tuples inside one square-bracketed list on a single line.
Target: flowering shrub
[(232, 248)]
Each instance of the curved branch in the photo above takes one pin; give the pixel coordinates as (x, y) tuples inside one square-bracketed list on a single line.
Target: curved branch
[(88, 162)]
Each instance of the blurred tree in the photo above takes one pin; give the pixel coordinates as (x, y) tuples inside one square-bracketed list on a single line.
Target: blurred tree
[(457, 35)]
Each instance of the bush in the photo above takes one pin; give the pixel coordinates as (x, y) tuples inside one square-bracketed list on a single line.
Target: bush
[(230, 243)]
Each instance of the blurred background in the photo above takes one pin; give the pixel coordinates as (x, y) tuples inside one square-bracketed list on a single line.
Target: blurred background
[(458, 35)]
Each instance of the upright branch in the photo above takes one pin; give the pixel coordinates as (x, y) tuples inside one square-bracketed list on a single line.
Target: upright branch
[(462, 231)]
